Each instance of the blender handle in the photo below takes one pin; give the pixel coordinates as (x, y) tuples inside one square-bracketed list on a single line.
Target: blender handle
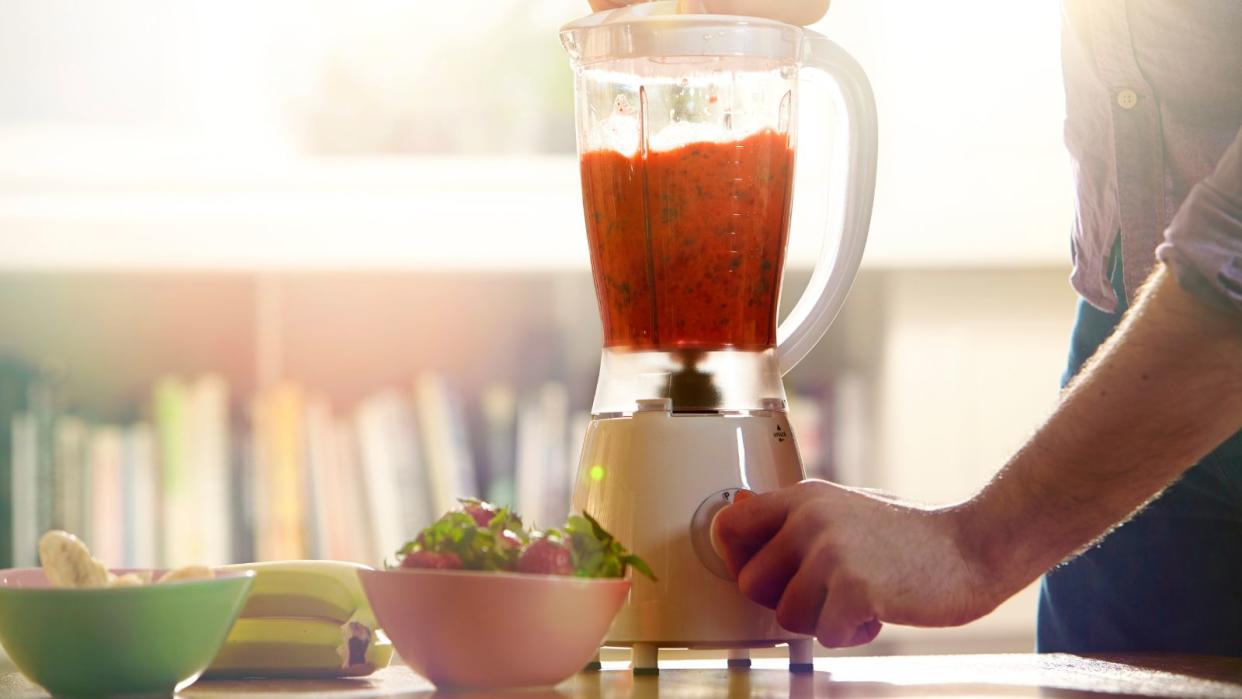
[(837, 264)]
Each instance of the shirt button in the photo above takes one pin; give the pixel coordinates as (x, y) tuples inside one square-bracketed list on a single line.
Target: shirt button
[(1127, 99)]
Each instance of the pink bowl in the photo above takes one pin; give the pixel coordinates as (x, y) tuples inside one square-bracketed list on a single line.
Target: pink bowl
[(488, 630)]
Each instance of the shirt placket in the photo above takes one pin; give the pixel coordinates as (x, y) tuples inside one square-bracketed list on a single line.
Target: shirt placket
[(1138, 145)]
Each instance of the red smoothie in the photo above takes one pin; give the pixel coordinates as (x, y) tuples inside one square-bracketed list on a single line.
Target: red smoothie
[(687, 245)]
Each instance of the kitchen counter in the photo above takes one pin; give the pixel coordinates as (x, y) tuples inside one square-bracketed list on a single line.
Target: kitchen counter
[(1019, 675)]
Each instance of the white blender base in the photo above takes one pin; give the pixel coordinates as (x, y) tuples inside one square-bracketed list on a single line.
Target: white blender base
[(645, 478)]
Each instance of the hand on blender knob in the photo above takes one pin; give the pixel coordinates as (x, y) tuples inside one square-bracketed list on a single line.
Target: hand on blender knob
[(800, 12), (717, 544), (835, 561)]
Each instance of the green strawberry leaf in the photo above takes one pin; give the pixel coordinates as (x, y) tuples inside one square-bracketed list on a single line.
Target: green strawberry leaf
[(597, 529), (597, 553), (638, 564)]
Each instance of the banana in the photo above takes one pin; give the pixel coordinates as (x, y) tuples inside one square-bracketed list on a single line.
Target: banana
[(68, 563), (285, 647), (304, 619), (187, 573), (321, 589)]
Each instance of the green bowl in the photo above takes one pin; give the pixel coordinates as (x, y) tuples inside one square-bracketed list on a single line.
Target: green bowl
[(153, 639)]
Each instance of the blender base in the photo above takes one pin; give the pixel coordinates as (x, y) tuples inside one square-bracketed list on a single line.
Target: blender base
[(655, 480)]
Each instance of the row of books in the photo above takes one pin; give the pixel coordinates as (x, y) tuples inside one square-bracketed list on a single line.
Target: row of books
[(209, 477)]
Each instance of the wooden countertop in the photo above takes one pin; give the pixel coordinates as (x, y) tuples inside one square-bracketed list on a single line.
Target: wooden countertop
[(1019, 675)]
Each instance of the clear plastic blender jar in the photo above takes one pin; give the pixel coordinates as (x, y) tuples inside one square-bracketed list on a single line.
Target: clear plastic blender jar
[(687, 140)]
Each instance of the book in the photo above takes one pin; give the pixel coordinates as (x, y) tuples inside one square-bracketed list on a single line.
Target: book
[(280, 473), (542, 469), (497, 439), (72, 482), (43, 408), (359, 540), (208, 472), (178, 509), (287, 485), (530, 468), (139, 503), (449, 466), (356, 541), (397, 494), (325, 521), (244, 487), (25, 524), (104, 454), (554, 403), (16, 381)]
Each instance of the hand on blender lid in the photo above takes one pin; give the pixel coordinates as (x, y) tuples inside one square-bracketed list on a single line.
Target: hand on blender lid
[(800, 12)]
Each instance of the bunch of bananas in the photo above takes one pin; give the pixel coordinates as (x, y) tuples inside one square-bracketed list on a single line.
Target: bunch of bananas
[(303, 619)]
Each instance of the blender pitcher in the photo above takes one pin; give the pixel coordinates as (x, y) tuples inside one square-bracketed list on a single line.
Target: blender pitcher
[(687, 133), (686, 136)]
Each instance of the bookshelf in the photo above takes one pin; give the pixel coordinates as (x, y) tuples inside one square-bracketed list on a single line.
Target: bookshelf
[(897, 383)]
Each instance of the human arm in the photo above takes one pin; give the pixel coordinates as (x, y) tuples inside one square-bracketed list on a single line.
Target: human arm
[(1160, 394), (1171, 377), (1164, 391), (801, 12)]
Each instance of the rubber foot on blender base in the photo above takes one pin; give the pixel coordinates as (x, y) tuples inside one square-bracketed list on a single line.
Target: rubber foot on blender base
[(802, 656), (739, 659), (645, 659), (646, 671)]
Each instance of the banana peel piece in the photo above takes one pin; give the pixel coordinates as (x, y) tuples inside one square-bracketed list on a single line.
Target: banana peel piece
[(303, 619), (291, 647)]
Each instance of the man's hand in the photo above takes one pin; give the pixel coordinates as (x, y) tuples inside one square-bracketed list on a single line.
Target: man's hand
[(800, 12), (836, 562)]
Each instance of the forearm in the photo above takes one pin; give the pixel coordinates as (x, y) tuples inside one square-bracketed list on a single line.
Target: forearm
[(1160, 394)]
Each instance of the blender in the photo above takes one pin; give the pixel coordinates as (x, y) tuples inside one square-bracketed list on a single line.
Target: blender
[(687, 128)]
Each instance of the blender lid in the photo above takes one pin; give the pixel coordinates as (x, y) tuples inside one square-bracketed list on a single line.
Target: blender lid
[(662, 29)]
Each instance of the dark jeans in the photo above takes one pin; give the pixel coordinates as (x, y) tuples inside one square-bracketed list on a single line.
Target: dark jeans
[(1170, 579)]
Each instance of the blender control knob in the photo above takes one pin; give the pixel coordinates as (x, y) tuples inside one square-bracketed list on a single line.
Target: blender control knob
[(738, 496), (702, 536)]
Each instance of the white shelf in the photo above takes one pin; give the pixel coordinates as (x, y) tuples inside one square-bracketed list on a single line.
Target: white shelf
[(450, 213)]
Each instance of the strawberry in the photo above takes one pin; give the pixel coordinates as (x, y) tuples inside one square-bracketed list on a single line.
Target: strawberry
[(432, 560), (482, 512), (546, 556)]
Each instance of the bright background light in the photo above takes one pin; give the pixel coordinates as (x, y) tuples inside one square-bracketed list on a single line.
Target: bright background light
[(267, 121)]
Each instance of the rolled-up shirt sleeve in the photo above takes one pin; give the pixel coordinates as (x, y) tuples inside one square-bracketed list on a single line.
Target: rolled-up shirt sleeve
[(1203, 243)]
